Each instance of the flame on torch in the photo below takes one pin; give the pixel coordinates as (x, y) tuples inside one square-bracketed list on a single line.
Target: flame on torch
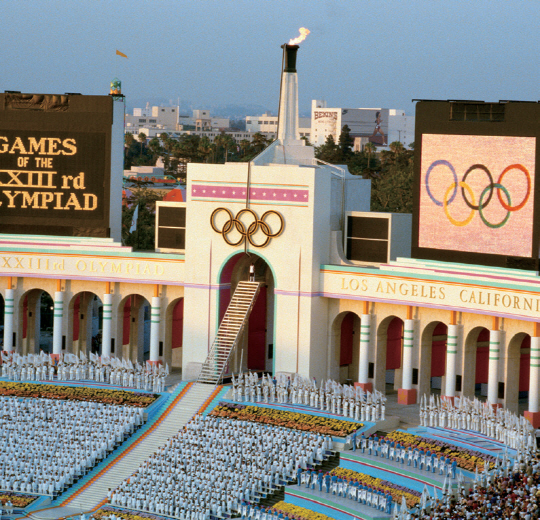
[(303, 33)]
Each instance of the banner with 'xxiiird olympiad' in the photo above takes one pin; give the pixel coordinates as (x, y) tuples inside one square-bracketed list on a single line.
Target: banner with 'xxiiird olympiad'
[(55, 164)]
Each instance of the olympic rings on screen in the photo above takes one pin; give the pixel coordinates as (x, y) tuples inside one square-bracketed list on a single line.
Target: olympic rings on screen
[(453, 186), (485, 197), (526, 198), (490, 185), (246, 230), (503, 221), (439, 163)]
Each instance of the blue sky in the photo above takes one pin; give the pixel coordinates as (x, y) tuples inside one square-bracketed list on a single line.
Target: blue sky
[(359, 53)]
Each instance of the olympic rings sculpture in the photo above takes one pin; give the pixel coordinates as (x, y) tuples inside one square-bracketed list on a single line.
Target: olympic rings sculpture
[(247, 231), (485, 197)]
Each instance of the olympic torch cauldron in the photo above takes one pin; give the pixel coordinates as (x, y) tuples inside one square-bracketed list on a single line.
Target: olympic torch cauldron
[(288, 99), (246, 228)]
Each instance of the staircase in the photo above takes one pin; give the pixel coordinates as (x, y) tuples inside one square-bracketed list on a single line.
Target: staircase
[(229, 332), (188, 402)]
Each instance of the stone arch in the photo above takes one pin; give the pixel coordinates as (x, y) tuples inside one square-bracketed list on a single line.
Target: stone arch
[(476, 361), (256, 347), (432, 357), (388, 369), (518, 358), (85, 323), (36, 308), (174, 331), (345, 347), (133, 336)]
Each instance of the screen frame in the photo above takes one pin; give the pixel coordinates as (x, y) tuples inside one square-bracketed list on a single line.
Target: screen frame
[(522, 119), (83, 115)]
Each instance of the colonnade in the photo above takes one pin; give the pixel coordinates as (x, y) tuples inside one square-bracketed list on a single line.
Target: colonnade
[(407, 393), (157, 333)]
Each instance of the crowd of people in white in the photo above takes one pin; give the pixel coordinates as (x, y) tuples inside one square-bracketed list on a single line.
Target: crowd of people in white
[(111, 370), (213, 464), (331, 396), (47, 444), (500, 424)]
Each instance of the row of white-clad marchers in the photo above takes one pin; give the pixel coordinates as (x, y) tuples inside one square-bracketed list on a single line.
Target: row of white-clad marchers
[(213, 465), (134, 376), (331, 396), (46, 445), (463, 413)]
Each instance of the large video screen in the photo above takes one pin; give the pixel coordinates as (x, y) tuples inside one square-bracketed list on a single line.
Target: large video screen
[(55, 164), (50, 175), (477, 194)]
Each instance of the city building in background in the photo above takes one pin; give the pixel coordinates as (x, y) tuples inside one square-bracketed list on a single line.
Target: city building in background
[(155, 120), (268, 124), (380, 126), (161, 118), (204, 121)]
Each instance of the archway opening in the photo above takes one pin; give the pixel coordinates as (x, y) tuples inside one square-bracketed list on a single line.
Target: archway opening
[(135, 312), (394, 347), (524, 367), (87, 323), (475, 368), (256, 347), (174, 332), (37, 311), (349, 353), (438, 355), (482, 363), (432, 366), (516, 379)]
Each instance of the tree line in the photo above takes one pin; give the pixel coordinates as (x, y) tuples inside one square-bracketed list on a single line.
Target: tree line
[(177, 151)]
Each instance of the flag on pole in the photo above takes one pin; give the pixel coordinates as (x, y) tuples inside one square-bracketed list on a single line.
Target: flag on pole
[(134, 220), (118, 53)]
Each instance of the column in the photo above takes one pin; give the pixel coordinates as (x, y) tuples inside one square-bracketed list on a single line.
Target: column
[(365, 342), (533, 413), (107, 325), (493, 375), (8, 319), (451, 361), (407, 394), (155, 315), (57, 322)]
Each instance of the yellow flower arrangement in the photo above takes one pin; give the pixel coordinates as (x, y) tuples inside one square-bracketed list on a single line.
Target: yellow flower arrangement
[(464, 458), (106, 511), (77, 393), (294, 420), (18, 501), (299, 512)]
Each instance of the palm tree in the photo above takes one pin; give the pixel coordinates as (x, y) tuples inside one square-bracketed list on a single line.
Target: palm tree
[(259, 142), (229, 144), (205, 148), (155, 147), (128, 139), (369, 148), (220, 141), (396, 147), (245, 146), (142, 139)]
